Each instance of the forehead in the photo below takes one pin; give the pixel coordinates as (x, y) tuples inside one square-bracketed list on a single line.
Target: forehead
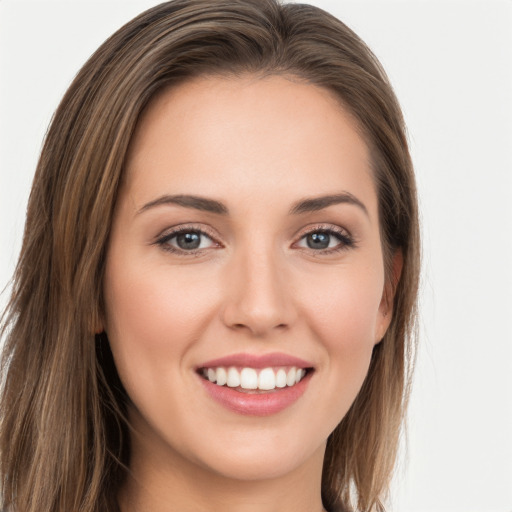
[(273, 132)]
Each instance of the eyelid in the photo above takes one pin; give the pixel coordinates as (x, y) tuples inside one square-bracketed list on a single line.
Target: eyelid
[(171, 232), (345, 238), (312, 228)]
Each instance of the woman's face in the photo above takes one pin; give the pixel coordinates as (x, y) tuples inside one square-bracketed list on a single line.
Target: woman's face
[(244, 253)]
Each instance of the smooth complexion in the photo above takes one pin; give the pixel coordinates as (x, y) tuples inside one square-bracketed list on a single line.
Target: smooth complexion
[(256, 269)]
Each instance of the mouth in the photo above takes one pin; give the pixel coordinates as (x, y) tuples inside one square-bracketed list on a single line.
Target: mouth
[(254, 380), (256, 385)]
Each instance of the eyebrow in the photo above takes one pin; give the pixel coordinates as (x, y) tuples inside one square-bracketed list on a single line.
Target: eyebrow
[(306, 205), (195, 202), (314, 204)]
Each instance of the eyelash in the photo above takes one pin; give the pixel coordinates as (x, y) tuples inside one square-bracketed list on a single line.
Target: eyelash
[(164, 240), (345, 239)]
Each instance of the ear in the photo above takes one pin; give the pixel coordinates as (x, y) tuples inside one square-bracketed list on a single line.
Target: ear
[(385, 313)]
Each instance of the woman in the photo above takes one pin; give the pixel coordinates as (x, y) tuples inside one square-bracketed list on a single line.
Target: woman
[(214, 303)]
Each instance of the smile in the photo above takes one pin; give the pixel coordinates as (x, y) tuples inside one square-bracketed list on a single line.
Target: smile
[(253, 379), (256, 385)]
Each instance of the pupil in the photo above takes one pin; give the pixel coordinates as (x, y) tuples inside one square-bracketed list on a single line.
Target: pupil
[(188, 240), (318, 240)]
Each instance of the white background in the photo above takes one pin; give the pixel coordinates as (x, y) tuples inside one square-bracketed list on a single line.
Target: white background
[(450, 63)]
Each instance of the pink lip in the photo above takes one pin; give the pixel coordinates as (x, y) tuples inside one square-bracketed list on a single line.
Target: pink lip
[(257, 404), (257, 361)]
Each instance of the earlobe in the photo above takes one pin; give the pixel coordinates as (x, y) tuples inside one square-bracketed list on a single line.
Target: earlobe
[(388, 295)]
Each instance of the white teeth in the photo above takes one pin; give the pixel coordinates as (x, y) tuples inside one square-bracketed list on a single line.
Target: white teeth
[(280, 378), (233, 379), (290, 377), (249, 378), (267, 379), (222, 376)]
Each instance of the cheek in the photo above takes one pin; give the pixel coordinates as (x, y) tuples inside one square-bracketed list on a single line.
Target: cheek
[(343, 311), (153, 316)]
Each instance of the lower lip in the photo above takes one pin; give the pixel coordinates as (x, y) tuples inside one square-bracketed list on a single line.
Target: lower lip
[(256, 404)]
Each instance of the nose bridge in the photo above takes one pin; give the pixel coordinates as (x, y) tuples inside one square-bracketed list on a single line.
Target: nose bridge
[(258, 295)]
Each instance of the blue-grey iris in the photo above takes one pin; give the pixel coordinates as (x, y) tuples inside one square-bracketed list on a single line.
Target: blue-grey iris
[(318, 240), (188, 240)]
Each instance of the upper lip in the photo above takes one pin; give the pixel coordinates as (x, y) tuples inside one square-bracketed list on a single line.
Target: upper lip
[(245, 360)]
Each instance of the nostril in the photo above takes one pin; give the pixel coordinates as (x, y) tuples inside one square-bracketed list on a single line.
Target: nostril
[(258, 329)]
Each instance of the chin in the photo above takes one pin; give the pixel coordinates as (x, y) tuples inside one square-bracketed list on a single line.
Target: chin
[(261, 452), (261, 464)]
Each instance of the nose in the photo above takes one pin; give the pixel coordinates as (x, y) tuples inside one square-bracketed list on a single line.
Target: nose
[(258, 296)]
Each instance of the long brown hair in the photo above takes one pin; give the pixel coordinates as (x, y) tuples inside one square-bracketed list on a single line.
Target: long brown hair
[(64, 438)]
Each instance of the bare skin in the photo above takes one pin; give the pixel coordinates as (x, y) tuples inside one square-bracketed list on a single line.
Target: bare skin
[(272, 272)]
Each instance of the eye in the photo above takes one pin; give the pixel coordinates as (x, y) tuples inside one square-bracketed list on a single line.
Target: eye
[(320, 240), (185, 240), (326, 239)]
